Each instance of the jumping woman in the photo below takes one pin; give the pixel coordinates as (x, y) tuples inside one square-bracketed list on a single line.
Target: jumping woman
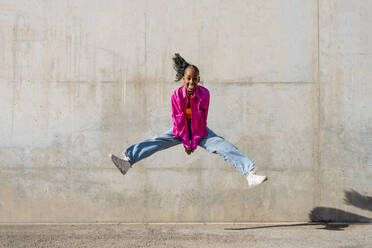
[(190, 104)]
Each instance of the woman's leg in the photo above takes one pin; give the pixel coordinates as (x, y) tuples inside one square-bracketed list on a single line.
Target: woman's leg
[(216, 144), (148, 147)]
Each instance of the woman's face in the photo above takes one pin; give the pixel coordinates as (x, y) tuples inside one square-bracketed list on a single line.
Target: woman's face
[(191, 79)]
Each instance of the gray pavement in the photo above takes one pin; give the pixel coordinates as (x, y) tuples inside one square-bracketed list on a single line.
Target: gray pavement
[(186, 235)]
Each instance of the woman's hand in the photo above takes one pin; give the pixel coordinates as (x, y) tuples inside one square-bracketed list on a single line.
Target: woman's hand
[(188, 151)]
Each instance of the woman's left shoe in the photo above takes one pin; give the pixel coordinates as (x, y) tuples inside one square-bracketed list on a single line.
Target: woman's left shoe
[(122, 164), (254, 180)]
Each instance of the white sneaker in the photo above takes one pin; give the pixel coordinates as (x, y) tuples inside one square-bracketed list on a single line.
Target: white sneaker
[(254, 180), (123, 164)]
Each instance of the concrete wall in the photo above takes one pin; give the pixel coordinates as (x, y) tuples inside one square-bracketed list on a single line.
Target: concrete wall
[(290, 87)]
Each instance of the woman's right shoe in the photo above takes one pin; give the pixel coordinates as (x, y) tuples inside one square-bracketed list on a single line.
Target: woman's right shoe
[(122, 164), (254, 180)]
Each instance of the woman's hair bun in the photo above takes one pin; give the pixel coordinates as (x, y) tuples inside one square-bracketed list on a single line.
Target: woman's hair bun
[(180, 65)]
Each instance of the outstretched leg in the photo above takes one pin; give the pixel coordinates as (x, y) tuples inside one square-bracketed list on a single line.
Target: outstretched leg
[(148, 147), (217, 144)]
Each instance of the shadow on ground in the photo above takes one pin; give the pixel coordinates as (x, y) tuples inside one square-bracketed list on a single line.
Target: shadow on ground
[(326, 226)]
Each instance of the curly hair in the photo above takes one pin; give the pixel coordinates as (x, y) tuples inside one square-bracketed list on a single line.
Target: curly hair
[(180, 65)]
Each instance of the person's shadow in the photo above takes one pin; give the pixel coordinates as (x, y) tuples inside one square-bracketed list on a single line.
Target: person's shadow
[(353, 198), (331, 218), (325, 226)]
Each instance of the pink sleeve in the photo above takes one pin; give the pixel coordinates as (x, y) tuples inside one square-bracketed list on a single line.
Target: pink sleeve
[(204, 114), (180, 128)]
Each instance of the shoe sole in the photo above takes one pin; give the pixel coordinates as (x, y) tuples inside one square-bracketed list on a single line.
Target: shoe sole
[(116, 165)]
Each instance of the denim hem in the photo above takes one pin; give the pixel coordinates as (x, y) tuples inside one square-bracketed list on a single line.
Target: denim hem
[(130, 160)]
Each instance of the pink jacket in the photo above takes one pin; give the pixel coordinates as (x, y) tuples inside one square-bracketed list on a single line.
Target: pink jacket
[(199, 112)]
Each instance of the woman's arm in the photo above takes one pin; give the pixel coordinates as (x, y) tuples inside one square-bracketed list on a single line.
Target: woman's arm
[(179, 121), (203, 123)]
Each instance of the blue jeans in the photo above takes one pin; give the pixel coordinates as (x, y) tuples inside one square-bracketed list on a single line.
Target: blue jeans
[(212, 143)]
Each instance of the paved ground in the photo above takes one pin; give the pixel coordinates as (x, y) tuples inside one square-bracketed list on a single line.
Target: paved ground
[(187, 235)]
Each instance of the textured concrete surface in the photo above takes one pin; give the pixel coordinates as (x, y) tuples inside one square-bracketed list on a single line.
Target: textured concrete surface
[(345, 105), (296, 235), (289, 83)]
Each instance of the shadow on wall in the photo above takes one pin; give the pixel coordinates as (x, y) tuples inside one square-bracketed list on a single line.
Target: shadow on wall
[(324, 216), (353, 198)]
